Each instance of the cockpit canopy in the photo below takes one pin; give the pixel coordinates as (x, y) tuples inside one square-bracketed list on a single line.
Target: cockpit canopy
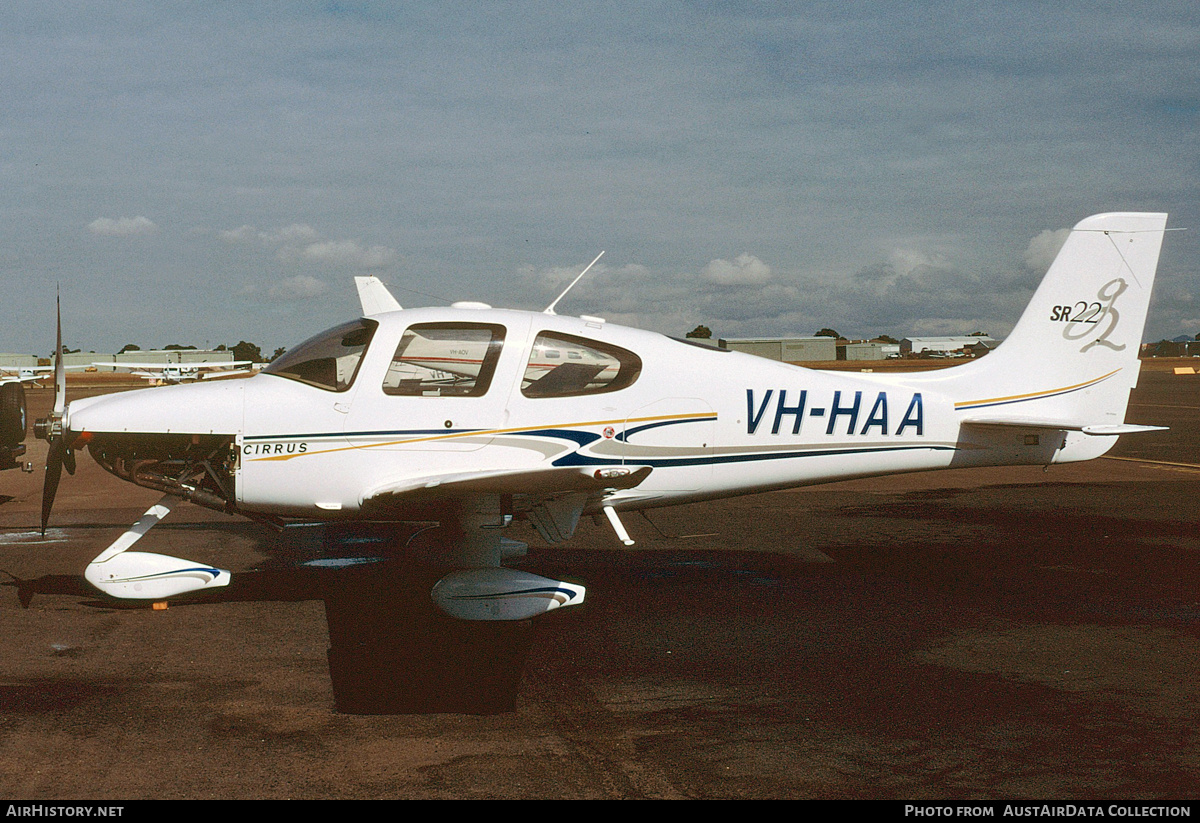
[(459, 359)]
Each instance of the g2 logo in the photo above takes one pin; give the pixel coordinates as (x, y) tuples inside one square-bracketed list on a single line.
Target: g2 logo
[(1098, 318)]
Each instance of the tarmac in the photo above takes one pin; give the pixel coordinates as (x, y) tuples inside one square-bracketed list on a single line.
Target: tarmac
[(994, 634)]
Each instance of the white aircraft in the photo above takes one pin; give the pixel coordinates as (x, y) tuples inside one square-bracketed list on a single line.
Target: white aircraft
[(180, 372), (28, 374), (462, 415)]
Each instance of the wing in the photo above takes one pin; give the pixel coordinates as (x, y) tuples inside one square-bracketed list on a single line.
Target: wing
[(554, 498), (132, 366), (223, 364), (199, 364)]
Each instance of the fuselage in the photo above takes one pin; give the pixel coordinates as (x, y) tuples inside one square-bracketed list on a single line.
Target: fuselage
[(431, 393)]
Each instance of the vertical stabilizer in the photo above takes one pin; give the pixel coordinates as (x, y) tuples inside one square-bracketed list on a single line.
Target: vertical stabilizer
[(374, 296), (1073, 356)]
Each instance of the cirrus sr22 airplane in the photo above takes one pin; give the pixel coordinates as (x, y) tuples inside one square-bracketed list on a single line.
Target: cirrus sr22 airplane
[(473, 417)]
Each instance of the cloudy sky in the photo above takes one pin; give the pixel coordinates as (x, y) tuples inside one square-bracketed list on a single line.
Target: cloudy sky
[(203, 173)]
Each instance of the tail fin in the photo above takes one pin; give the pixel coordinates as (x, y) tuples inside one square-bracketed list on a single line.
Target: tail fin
[(374, 296), (1073, 356)]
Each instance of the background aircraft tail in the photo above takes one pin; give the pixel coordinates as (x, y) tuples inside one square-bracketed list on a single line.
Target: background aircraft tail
[(1072, 358)]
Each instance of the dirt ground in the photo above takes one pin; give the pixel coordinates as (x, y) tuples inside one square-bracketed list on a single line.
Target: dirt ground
[(989, 635)]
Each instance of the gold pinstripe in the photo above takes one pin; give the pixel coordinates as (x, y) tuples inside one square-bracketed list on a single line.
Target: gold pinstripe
[(1032, 395)]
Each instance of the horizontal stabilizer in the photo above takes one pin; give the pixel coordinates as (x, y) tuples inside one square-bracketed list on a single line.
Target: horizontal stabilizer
[(1097, 430), (145, 576), (502, 594), (533, 482), (1124, 428)]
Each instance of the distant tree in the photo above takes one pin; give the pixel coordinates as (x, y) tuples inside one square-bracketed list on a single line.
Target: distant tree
[(886, 338), (978, 334), (178, 347), (247, 351), (705, 333), (1167, 348), (828, 333), (221, 347), (278, 353), (129, 347)]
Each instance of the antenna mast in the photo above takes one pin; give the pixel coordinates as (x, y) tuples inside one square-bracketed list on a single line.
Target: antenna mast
[(550, 308)]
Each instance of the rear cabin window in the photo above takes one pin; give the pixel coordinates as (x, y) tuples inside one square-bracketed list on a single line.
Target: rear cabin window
[(445, 360), (561, 365), (329, 360)]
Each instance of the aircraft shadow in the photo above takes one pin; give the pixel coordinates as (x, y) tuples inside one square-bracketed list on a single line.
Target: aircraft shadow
[(391, 651)]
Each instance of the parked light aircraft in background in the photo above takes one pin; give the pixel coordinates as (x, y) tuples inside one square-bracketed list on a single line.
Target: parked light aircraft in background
[(180, 372), (473, 417), (28, 374)]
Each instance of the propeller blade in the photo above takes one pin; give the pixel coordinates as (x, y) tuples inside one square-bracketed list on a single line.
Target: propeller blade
[(54, 465), (69, 460), (60, 371)]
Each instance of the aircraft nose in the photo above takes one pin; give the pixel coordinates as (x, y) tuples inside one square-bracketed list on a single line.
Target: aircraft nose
[(196, 408)]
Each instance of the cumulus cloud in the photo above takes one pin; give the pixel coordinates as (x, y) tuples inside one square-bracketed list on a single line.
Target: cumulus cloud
[(242, 234), (548, 281), (122, 226), (300, 241), (349, 253), (744, 270), (1044, 248), (301, 287), (293, 234), (910, 262)]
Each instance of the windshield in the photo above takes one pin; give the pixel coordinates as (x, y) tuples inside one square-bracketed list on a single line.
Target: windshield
[(330, 360)]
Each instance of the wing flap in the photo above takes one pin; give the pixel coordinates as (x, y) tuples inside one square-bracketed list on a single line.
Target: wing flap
[(541, 483)]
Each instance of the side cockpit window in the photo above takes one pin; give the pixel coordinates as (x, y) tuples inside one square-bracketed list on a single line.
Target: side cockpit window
[(328, 361), (445, 360), (561, 365)]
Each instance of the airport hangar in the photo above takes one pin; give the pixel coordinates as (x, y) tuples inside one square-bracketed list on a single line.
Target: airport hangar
[(810, 349)]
